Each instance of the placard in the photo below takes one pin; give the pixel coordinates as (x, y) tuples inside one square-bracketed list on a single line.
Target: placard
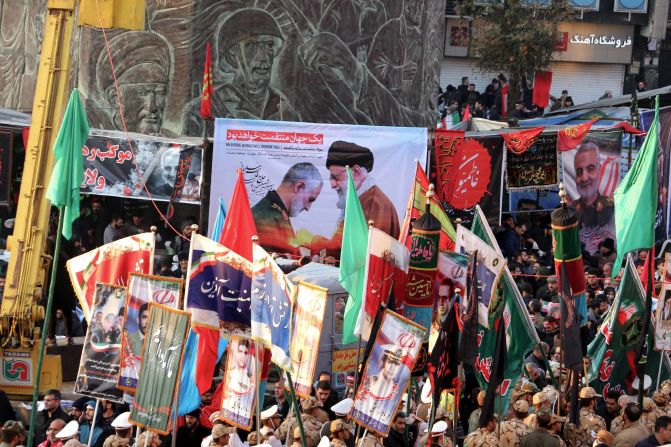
[(101, 354), (536, 168)]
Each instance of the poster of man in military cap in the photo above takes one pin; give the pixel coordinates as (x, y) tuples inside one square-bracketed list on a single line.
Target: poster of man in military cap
[(296, 178), (387, 372)]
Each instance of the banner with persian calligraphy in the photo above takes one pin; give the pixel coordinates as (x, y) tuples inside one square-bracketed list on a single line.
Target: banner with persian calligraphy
[(142, 290), (100, 360), (111, 170), (308, 320), (469, 174), (534, 169), (489, 267), (387, 372), (312, 157), (590, 173), (161, 368)]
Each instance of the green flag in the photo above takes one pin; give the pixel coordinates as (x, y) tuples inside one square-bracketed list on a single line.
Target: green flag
[(635, 198), (521, 336), (353, 259), (68, 173), (613, 350)]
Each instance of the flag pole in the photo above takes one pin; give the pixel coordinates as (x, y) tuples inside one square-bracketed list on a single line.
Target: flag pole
[(358, 343), (299, 418), (45, 326), (643, 356), (93, 422)]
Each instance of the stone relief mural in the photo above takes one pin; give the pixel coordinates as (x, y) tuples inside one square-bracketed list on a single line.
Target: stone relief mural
[(337, 61), (21, 27)]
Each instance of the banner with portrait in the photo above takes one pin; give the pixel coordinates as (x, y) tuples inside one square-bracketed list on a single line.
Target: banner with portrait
[(663, 319), (534, 169), (110, 170), (159, 373), (452, 273), (100, 360), (387, 372), (489, 267), (142, 290), (240, 382), (296, 179), (308, 320), (590, 173)]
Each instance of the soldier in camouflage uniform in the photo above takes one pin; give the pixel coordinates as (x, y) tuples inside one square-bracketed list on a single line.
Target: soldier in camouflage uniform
[(541, 401), (589, 420), (617, 424), (371, 440), (474, 418), (340, 433), (310, 423), (296, 437), (649, 415), (513, 429), (661, 400), (483, 437), (555, 428)]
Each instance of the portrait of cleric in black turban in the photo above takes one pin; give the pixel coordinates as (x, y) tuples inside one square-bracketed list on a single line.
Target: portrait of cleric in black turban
[(143, 64)]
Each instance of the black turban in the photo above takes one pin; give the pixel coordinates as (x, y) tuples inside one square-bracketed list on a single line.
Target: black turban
[(343, 153)]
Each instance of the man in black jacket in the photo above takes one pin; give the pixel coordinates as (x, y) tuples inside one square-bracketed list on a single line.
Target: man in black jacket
[(397, 436), (52, 410)]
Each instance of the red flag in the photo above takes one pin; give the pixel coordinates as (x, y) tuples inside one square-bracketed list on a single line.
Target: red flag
[(646, 269), (628, 128), (467, 113), (208, 90), (416, 202), (239, 225), (571, 137), (504, 100), (519, 142), (386, 264), (542, 83)]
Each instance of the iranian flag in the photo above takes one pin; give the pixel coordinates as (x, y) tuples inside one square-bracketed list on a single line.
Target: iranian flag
[(387, 262), (111, 264)]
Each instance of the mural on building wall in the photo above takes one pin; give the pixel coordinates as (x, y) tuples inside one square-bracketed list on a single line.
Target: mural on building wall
[(336, 61), (21, 27)]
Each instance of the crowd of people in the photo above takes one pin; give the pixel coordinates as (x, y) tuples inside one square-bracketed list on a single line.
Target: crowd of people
[(612, 420), (453, 101)]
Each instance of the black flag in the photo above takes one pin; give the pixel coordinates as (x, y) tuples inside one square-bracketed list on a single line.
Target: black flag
[(571, 345), (443, 360)]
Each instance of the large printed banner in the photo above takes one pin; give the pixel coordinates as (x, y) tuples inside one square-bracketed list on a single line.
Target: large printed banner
[(239, 389), (142, 289), (469, 174), (99, 365), (109, 169), (296, 180), (159, 374), (536, 168), (308, 319), (387, 372), (591, 172), (111, 264), (662, 220)]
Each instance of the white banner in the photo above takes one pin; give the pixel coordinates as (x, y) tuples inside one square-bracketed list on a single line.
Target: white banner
[(296, 180)]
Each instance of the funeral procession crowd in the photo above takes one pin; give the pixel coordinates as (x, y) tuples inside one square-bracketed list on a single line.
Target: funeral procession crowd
[(310, 243)]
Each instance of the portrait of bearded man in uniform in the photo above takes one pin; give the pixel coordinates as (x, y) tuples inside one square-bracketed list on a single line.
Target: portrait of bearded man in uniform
[(596, 211)]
